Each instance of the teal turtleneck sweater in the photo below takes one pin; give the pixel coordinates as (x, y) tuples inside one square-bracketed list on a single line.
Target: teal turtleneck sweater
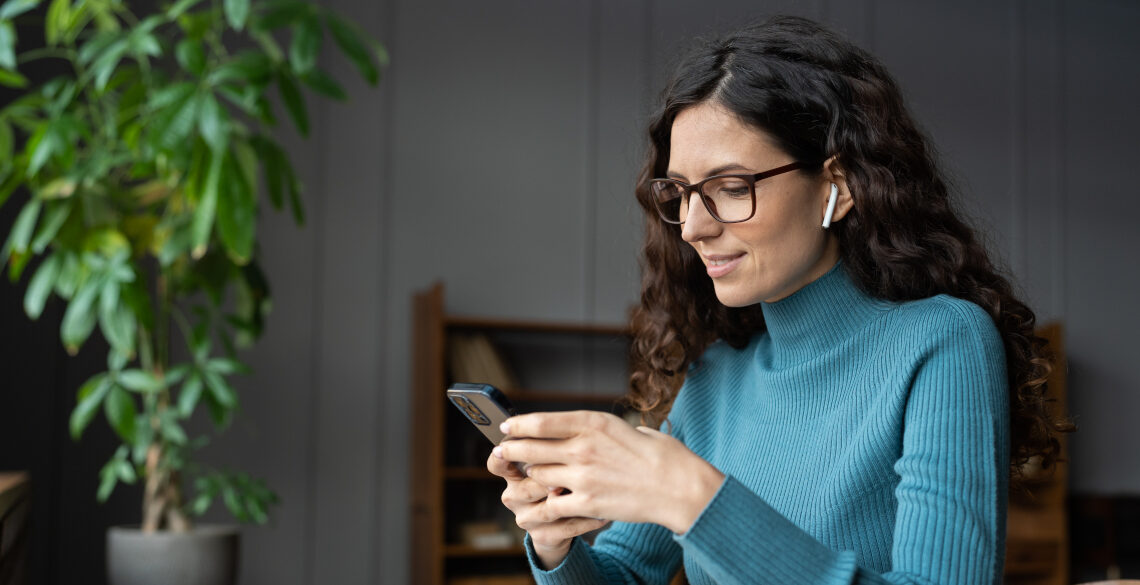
[(862, 441)]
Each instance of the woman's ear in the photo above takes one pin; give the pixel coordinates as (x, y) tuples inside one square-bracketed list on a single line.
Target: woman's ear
[(833, 173)]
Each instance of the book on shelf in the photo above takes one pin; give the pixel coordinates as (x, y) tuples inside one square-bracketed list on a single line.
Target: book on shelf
[(472, 357)]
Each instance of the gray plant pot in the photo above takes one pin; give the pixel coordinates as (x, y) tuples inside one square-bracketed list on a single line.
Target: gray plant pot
[(207, 555)]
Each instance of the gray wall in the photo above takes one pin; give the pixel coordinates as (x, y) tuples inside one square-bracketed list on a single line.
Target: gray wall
[(445, 174)]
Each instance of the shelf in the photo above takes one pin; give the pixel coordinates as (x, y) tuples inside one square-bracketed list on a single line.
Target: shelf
[(478, 473), (462, 550), (556, 396), (461, 322)]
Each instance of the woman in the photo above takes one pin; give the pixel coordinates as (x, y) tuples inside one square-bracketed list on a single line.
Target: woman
[(859, 382)]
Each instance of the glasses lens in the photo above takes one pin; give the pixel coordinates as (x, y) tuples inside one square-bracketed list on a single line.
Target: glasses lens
[(729, 197), (670, 199)]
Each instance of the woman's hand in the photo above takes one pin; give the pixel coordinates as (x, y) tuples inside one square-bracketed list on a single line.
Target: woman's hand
[(602, 468), (524, 496)]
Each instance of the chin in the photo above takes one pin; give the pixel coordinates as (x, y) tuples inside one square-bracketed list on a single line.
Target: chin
[(735, 297)]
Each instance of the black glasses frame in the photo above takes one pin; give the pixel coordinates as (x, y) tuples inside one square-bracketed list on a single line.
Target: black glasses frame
[(699, 189)]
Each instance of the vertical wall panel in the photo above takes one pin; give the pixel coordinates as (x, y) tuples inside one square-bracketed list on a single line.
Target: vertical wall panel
[(617, 153), (952, 62), (350, 329), (1043, 206), (1102, 88), (489, 191)]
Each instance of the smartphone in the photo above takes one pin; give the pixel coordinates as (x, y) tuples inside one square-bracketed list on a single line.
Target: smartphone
[(484, 405)]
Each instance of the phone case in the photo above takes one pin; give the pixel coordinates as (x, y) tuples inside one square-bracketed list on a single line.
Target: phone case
[(484, 405)]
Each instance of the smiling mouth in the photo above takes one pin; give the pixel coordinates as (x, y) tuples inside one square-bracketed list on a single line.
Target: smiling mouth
[(720, 265)]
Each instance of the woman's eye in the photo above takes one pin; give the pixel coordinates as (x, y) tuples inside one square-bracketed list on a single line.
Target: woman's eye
[(733, 190)]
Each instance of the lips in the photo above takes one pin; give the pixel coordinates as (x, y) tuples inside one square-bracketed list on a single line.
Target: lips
[(719, 265)]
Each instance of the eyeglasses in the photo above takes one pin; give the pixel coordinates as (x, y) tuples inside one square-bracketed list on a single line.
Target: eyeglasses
[(728, 198)]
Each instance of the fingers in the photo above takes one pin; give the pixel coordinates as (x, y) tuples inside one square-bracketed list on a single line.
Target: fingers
[(504, 468), (556, 425), (532, 451), (554, 534), (520, 495)]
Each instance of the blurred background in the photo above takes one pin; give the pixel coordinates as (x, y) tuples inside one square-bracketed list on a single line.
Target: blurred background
[(498, 156)]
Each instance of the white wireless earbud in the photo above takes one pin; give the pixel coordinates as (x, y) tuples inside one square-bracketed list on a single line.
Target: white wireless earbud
[(830, 206)]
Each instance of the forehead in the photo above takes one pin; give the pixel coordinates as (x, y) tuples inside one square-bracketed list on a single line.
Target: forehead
[(708, 136)]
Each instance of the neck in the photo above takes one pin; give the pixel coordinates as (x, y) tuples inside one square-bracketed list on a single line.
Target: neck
[(818, 316)]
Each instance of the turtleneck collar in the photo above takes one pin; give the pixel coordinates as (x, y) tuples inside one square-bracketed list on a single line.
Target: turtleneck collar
[(815, 318)]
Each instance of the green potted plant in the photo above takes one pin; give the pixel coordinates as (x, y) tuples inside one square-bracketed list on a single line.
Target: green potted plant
[(144, 163)]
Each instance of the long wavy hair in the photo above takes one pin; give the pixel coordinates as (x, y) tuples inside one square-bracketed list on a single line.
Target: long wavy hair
[(819, 96)]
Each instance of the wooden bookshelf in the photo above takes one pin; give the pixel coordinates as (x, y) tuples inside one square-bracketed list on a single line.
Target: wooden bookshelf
[(448, 475), (1037, 535)]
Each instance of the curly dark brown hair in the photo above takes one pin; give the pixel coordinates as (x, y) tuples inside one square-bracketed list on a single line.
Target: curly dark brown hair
[(819, 96)]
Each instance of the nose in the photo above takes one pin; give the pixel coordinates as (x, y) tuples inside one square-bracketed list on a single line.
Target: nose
[(699, 223)]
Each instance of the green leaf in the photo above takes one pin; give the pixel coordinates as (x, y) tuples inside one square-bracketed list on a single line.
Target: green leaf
[(201, 504), (280, 14), (175, 375), (80, 317), (116, 319), (70, 275), (89, 399), (247, 67), (95, 47), (305, 46), (138, 300), (117, 360), (179, 8), (172, 95), (348, 39), (220, 390), (172, 431), (176, 112), (245, 158), (10, 78), (213, 123), (140, 381), (191, 56), (7, 45), (125, 472), (294, 102), (8, 185), (56, 214), (22, 229), (233, 503), (237, 12), (207, 206), (267, 151), (226, 366), (237, 212), (105, 64), (190, 394), (294, 191), (321, 83), (55, 23), (121, 412), (108, 477), (7, 142), (13, 8), (39, 288), (41, 145)]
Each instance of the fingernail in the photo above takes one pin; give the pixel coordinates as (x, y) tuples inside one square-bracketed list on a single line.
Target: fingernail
[(505, 428), (497, 452)]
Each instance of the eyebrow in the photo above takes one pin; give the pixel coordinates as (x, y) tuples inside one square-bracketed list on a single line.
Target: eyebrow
[(716, 171)]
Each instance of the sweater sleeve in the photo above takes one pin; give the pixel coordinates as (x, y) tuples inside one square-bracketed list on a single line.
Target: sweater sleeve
[(950, 523), (634, 554)]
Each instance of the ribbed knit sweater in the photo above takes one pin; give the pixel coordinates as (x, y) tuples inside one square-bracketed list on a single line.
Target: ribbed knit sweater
[(862, 441)]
